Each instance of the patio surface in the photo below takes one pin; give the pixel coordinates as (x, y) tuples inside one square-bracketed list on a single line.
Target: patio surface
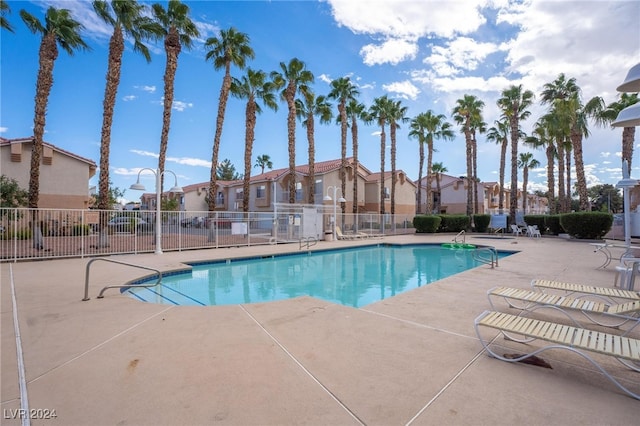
[(409, 359)]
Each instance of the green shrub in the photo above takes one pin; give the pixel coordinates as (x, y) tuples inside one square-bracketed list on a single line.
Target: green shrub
[(552, 224), (454, 222), (426, 223), (587, 225), (539, 220), (481, 222), (21, 234), (80, 230)]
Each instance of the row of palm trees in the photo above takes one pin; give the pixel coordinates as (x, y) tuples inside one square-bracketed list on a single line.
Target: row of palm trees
[(560, 131)]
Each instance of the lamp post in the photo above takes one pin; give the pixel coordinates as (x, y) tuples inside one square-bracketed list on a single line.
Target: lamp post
[(628, 117), (335, 206), (176, 189)]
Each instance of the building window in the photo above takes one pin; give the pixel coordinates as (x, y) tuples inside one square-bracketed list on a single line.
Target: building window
[(261, 191), (386, 192)]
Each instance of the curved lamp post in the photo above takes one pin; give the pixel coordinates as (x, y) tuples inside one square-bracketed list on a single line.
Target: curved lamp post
[(628, 117), (335, 201), (176, 189)]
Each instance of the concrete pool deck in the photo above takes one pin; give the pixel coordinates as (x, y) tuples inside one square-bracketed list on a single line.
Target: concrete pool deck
[(410, 359)]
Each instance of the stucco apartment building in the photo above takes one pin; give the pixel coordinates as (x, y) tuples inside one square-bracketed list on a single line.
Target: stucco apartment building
[(64, 176), (272, 186)]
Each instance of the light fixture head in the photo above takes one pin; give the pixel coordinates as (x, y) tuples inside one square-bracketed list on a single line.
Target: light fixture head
[(137, 187), (627, 183), (342, 200), (632, 82), (327, 198), (628, 117), (177, 190)]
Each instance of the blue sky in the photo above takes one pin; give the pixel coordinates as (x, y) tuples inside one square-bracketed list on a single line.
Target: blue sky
[(426, 53)]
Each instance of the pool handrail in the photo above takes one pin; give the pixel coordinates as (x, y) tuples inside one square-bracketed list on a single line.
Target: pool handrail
[(493, 258), (306, 241), (100, 295), (461, 233)]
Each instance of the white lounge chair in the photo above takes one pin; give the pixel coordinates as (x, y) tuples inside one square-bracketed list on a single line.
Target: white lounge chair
[(578, 340), (601, 313), (342, 236), (515, 229), (533, 231), (609, 294)]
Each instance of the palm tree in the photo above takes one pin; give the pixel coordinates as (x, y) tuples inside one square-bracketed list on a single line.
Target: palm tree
[(438, 169), (526, 162), (541, 138), (466, 113), (127, 17), (306, 109), (356, 111), (428, 126), (343, 91), (379, 112), (178, 31), (231, 48), (293, 79), (513, 104), (397, 115), (263, 161), (58, 28), (477, 126), (253, 87), (4, 9), (554, 94), (500, 135), (604, 115)]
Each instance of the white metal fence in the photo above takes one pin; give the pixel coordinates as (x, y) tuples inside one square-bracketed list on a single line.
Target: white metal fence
[(29, 234)]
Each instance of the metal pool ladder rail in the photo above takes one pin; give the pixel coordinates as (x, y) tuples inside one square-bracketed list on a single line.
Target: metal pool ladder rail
[(460, 234), (308, 242), (479, 255), (100, 296)]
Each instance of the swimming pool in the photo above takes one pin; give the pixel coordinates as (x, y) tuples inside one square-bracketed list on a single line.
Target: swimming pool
[(353, 277)]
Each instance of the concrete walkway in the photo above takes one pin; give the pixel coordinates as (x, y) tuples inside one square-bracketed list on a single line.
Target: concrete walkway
[(410, 359)]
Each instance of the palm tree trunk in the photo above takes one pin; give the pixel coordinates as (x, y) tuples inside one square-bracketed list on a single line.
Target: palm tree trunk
[(474, 146), (467, 137), (567, 198), (420, 168), (250, 117), (172, 48), (312, 162), (576, 142), (222, 106), (551, 179), (429, 205), (343, 151), (354, 141), (513, 205), (394, 178), (628, 138), (291, 133), (503, 161), (382, 148), (525, 179), (561, 179)]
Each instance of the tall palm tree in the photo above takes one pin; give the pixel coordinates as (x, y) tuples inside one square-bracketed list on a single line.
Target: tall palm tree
[(4, 22), (397, 115), (230, 48), (526, 162), (253, 87), (306, 109), (428, 126), (263, 161), (604, 115), (343, 91), (541, 138), (356, 111), (379, 112), (555, 94), (59, 28), (467, 112), (128, 19), (477, 126), (178, 30), (294, 79), (438, 169), (500, 135), (514, 105)]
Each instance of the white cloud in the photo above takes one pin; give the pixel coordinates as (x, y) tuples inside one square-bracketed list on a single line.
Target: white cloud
[(4, 129), (148, 89), (128, 98), (392, 51), (404, 89), (181, 106), (325, 78)]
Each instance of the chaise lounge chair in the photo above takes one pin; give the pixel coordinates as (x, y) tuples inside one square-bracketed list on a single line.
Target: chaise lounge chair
[(527, 300), (578, 340), (342, 236), (607, 293)]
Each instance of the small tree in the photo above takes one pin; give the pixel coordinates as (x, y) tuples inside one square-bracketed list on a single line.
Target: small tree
[(114, 194), (227, 171), (11, 195)]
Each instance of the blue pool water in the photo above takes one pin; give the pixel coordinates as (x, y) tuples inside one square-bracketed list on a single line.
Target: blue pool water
[(352, 277)]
